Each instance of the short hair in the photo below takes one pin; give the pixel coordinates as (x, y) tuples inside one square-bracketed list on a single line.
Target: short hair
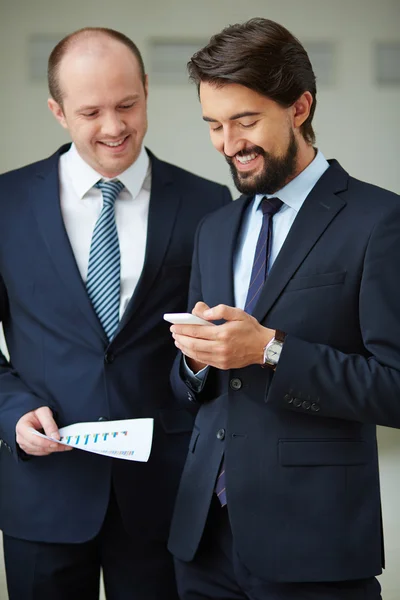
[(63, 46), (262, 56)]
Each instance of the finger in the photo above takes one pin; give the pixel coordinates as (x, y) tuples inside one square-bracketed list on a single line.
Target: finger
[(214, 353), (27, 439), (45, 417), (203, 358), (228, 313), (202, 332), (44, 450), (195, 348), (199, 309), (36, 445), (62, 448)]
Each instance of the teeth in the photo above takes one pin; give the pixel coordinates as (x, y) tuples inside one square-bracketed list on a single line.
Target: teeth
[(247, 158), (114, 144)]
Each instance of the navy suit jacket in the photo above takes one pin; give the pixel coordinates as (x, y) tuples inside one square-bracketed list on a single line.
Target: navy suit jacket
[(60, 357), (300, 443)]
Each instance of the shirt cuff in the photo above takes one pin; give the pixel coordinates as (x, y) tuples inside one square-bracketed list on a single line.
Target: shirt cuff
[(196, 380)]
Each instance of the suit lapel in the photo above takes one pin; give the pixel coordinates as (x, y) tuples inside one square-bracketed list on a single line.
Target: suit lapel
[(163, 209), (319, 209), (45, 202)]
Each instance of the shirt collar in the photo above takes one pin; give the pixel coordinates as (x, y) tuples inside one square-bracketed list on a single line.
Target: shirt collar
[(83, 177), (296, 191)]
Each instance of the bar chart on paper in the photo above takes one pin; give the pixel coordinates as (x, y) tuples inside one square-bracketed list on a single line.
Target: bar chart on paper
[(129, 439)]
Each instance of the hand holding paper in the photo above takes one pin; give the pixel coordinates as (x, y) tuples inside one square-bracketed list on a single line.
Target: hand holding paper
[(129, 439)]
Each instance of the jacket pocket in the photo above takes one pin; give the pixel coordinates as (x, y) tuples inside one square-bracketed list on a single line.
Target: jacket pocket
[(332, 452), (319, 280)]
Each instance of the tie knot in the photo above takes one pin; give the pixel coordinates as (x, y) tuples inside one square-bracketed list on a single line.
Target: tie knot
[(270, 206), (110, 189)]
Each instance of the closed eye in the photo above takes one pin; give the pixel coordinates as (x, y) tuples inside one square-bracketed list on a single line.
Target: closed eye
[(249, 125), (91, 114)]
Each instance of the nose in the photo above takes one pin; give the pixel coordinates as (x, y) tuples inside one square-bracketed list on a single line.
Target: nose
[(232, 144), (112, 125)]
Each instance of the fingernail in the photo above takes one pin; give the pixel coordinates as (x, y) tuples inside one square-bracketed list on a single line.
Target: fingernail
[(208, 313)]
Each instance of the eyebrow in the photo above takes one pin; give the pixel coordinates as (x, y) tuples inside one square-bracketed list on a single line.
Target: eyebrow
[(126, 99), (246, 113)]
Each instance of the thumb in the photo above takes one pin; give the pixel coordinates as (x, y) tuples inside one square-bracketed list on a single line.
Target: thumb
[(199, 309), (227, 313), (45, 417)]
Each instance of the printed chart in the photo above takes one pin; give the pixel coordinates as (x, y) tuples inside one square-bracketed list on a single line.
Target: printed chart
[(129, 439)]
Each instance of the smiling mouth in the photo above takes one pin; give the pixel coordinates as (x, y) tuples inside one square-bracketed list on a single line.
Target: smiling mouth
[(115, 144), (245, 159)]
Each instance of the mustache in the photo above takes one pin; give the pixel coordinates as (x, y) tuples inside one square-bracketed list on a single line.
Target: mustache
[(245, 152)]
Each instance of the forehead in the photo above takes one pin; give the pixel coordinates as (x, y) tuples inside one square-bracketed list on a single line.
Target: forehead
[(99, 69), (220, 103)]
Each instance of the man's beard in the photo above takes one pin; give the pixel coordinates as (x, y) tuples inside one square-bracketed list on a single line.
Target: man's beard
[(277, 172)]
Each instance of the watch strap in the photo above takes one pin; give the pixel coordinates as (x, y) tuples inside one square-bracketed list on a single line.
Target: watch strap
[(280, 335)]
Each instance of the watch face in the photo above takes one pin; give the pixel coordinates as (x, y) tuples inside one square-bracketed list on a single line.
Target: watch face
[(274, 351)]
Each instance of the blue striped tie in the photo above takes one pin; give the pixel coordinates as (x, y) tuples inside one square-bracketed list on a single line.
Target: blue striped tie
[(259, 272), (103, 278)]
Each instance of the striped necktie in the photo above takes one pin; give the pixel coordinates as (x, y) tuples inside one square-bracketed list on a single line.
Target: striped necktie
[(259, 272), (103, 278)]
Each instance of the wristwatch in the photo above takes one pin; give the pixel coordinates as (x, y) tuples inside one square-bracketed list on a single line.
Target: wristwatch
[(273, 349)]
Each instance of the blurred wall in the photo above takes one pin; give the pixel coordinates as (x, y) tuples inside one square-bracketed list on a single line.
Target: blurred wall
[(356, 121)]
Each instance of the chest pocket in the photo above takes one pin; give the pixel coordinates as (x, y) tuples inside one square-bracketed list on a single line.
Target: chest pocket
[(318, 280)]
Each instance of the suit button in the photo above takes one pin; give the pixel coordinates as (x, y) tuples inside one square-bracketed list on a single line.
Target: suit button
[(296, 402), (306, 404), (221, 434), (190, 397), (109, 358), (102, 419), (235, 383), (315, 407), (289, 399)]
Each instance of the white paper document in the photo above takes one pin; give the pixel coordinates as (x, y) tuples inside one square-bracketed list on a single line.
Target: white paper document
[(129, 439)]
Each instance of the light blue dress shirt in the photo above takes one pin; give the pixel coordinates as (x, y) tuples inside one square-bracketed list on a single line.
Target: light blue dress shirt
[(293, 196)]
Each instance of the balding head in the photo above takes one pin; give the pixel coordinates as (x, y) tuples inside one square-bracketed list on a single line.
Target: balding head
[(89, 39)]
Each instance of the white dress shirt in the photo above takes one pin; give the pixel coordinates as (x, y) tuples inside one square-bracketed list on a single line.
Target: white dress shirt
[(81, 205)]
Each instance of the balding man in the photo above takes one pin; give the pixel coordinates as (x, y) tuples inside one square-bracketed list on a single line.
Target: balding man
[(95, 245)]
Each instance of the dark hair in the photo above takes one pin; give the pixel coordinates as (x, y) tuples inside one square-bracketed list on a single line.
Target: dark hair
[(262, 56), (62, 47)]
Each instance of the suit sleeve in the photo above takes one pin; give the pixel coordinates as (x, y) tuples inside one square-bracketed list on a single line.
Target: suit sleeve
[(182, 386), (15, 397), (320, 380)]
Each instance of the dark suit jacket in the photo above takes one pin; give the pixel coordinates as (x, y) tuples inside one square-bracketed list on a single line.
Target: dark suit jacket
[(60, 357), (300, 444)]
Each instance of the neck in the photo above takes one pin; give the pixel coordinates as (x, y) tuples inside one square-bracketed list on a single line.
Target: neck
[(305, 156)]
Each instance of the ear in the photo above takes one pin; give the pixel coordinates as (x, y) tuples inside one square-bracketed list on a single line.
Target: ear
[(146, 86), (301, 109), (57, 111)]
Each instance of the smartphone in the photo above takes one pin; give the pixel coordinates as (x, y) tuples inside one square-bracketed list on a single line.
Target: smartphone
[(185, 319)]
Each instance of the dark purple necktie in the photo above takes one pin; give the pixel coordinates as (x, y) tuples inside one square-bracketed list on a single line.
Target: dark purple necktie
[(259, 272)]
